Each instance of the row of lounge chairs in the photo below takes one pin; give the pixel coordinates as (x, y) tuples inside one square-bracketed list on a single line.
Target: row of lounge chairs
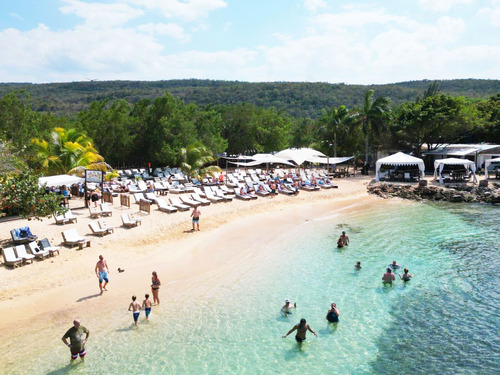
[(18, 254)]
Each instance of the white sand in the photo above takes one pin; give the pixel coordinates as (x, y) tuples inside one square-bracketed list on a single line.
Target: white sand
[(51, 292)]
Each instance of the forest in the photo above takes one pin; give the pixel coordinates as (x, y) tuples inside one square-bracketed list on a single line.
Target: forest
[(57, 129)]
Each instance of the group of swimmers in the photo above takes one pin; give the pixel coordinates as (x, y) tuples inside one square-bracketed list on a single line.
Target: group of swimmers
[(333, 313), (135, 307), (332, 316)]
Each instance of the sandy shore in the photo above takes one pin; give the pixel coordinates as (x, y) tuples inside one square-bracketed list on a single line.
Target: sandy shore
[(51, 292)]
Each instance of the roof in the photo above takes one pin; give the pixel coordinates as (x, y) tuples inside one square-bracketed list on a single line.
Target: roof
[(462, 149), (400, 158), (59, 180)]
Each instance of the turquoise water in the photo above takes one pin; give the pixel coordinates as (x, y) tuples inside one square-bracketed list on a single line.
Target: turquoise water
[(445, 320)]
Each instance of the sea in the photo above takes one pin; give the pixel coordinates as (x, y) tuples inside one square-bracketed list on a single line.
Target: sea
[(444, 321)]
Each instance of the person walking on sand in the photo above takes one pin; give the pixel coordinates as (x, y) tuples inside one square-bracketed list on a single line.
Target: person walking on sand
[(388, 276), (155, 287), (196, 217), (101, 271), (76, 342), (301, 329), (147, 306), (135, 308)]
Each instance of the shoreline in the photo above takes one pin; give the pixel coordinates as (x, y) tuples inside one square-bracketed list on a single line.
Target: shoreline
[(50, 293)]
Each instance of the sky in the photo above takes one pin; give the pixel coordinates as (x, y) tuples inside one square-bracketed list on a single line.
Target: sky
[(354, 42)]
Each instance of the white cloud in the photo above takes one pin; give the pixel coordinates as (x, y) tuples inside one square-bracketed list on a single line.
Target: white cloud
[(99, 14), (15, 15), (189, 10), (492, 13), (314, 5), (165, 29), (443, 5)]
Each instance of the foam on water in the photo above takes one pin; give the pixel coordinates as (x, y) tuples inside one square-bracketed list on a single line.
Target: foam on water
[(445, 319)]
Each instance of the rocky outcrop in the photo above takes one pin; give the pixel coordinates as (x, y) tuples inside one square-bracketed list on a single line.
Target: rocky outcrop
[(460, 193)]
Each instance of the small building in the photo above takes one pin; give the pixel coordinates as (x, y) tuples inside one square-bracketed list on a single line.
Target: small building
[(477, 153)]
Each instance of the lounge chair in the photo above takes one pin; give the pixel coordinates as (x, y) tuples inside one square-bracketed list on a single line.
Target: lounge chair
[(60, 219), (37, 251), (94, 212), (241, 196), (72, 238), (23, 254), (221, 194), (151, 197), (70, 216), (174, 201), (197, 198), (128, 222), (96, 230), (211, 196), (190, 202), (165, 207), (106, 210), (103, 225), (22, 235), (10, 257), (45, 245), (140, 197)]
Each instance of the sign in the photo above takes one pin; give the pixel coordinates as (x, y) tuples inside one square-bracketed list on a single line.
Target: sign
[(93, 177)]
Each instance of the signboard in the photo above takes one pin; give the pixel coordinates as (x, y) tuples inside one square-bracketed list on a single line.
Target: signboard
[(93, 177)]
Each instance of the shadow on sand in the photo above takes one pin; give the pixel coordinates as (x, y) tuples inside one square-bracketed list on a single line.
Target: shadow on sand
[(88, 297)]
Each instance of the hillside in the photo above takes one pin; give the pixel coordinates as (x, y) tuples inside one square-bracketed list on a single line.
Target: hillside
[(300, 99)]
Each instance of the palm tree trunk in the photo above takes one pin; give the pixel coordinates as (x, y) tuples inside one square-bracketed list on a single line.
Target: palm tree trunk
[(335, 144)]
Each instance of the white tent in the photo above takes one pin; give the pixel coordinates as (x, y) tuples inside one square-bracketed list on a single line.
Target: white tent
[(300, 155), (59, 180), (439, 164), (487, 163), (330, 160), (262, 159), (399, 159)]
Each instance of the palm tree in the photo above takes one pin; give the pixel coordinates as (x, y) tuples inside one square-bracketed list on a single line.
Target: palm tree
[(67, 151), (372, 115), (332, 121), (194, 157)]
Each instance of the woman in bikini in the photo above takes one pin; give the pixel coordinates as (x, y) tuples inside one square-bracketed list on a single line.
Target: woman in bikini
[(155, 287)]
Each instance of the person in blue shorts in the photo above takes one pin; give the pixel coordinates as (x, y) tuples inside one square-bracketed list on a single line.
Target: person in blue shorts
[(101, 271), (147, 306), (135, 308)]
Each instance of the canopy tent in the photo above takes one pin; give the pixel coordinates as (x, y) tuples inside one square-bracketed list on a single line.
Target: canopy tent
[(259, 159), (60, 180), (399, 159), (487, 163), (300, 155), (439, 164), (330, 160)]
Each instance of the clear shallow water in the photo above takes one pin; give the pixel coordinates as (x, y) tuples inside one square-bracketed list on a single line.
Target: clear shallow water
[(444, 320)]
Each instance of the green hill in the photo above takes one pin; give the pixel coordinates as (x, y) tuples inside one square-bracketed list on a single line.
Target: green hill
[(300, 99)]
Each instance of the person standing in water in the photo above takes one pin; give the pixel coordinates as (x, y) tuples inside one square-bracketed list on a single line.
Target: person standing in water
[(357, 265), (333, 314), (388, 277), (345, 238), (406, 275), (301, 329), (136, 309), (196, 217), (155, 288), (287, 307), (147, 306), (76, 342)]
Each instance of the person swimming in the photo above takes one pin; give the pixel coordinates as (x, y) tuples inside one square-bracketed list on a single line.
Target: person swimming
[(333, 314), (357, 265), (394, 265)]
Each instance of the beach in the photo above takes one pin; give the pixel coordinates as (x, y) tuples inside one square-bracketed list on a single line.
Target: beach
[(47, 295)]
